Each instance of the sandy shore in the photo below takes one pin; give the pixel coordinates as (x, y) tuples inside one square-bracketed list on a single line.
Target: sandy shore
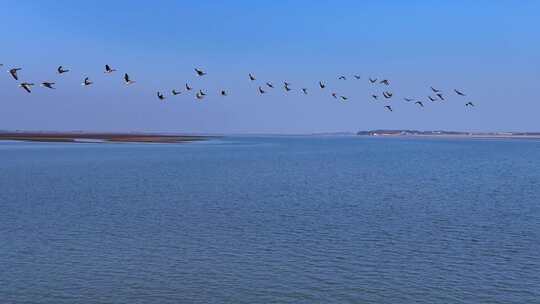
[(99, 137)]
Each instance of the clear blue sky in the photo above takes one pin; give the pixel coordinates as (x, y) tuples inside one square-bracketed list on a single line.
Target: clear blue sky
[(489, 49)]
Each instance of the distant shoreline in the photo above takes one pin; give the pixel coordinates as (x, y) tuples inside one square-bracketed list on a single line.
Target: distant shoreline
[(83, 137)]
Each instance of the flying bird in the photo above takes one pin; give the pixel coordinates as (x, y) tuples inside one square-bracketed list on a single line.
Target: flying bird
[(199, 95), (304, 90), (334, 95), (286, 86), (440, 96), (251, 77), (270, 85), (48, 85), (108, 69), (389, 108), (408, 99), (13, 73), (459, 93), (342, 77), (435, 90), (372, 80), (469, 104), (419, 103), (357, 76), (160, 96), (385, 82), (128, 80), (200, 72), (188, 87), (344, 98), (26, 86), (432, 99), (202, 93), (175, 92), (261, 90), (61, 70), (387, 94), (375, 97), (322, 85), (223, 93), (87, 82)]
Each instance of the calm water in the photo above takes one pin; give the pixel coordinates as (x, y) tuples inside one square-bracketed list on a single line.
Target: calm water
[(271, 220)]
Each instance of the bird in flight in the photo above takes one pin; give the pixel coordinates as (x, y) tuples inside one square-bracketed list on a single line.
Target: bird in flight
[(261, 90), (160, 96), (286, 86), (199, 95), (334, 95), (469, 104), (389, 108), (270, 85), (322, 85), (251, 77), (61, 70), (344, 98), (419, 103), (435, 90), (202, 93), (175, 92), (375, 97), (87, 82), (387, 94), (408, 99), (372, 80), (188, 87), (223, 93), (342, 77), (304, 90), (26, 86), (127, 80), (48, 85), (440, 96), (459, 93), (357, 76), (13, 73), (385, 82), (200, 72), (432, 99), (108, 69)]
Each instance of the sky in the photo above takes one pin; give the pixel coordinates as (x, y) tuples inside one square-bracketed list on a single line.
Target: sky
[(488, 49)]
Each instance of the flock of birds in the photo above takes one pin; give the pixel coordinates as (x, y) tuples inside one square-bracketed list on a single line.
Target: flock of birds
[(434, 96)]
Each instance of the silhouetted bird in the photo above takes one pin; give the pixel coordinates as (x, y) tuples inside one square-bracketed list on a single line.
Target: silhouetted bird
[(432, 99), (469, 104), (322, 85), (357, 77), (419, 103), (61, 70), (13, 73), (86, 82), (459, 93), (435, 90), (223, 93), (389, 108), (408, 99), (385, 82), (127, 80), (202, 93), (48, 85), (286, 86), (175, 92), (440, 96), (375, 97), (372, 80), (270, 85), (342, 77), (26, 86), (304, 90), (387, 94), (160, 96), (251, 77), (108, 69), (334, 95), (200, 72), (261, 90), (188, 87), (199, 96), (344, 98)]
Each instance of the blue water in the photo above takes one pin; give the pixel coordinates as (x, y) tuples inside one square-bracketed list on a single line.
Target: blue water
[(271, 220)]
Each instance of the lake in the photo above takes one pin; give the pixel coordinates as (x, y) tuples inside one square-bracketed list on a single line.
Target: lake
[(271, 220)]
